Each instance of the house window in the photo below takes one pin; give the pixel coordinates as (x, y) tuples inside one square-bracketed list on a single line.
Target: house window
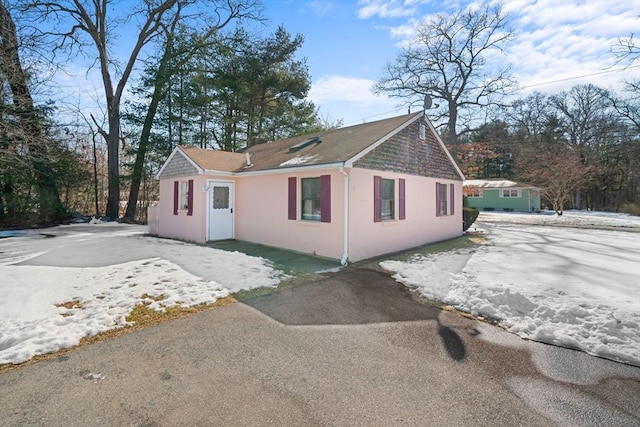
[(384, 199), (315, 198), (473, 192), (184, 195), (443, 199), (311, 209), (388, 199), (510, 193)]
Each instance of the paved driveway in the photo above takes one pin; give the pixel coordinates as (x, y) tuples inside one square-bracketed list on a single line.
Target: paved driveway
[(355, 348)]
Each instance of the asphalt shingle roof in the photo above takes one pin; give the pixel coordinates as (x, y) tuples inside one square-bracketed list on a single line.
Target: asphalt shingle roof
[(337, 145)]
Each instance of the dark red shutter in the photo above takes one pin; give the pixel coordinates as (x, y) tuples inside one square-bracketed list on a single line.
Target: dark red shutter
[(176, 195), (437, 199), (293, 213), (377, 199), (325, 198), (452, 198), (190, 198), (401, 197)]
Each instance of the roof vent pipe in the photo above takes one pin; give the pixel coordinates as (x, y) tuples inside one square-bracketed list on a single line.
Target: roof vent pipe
[(248, 156)]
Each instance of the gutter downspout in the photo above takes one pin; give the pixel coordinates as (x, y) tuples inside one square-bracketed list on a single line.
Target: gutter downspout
[(345, 253)]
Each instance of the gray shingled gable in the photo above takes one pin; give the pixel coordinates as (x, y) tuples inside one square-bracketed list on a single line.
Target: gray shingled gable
[(178, 166), (334, 146), (406, 153)]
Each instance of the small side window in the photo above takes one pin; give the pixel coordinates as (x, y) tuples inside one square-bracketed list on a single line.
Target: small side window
[(388, 199), (311, 208)]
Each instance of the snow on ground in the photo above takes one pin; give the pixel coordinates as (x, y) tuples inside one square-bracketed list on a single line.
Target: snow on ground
[(573, 287), (103, 273)]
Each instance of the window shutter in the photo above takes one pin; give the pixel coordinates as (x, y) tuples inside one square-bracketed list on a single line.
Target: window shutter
[(377, 199), (325, 198), (452, 198), (438, 199), (190, 198), (401, 197), (176, 195), (293, 213)]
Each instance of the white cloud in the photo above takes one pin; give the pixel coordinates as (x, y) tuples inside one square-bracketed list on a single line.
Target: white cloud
[(341, 88), (553, 40), (320, 7), (386, 8), (352, 100)]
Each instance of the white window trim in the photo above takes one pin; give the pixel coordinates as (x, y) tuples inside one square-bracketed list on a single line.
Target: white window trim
[(393, 201), (502, 196), (184, 196), (310, 217)]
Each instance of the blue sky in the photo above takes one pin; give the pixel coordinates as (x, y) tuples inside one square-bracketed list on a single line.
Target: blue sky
[(348, 42)]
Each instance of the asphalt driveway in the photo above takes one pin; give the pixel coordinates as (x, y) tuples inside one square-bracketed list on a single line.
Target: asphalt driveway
[(351, 348), (354, 348)]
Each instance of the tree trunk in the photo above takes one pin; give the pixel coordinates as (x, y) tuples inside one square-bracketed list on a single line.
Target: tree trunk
[(141, 153), (50, 208)]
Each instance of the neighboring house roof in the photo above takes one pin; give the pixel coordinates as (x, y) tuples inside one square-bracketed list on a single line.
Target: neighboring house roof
[(342, 146), (495, 183)]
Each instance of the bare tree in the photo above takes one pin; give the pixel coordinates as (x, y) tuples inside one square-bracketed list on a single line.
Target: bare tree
[(449, 63), (92, 26), (560, 173)]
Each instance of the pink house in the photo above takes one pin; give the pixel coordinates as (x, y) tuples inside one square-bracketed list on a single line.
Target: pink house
[(349, 193)]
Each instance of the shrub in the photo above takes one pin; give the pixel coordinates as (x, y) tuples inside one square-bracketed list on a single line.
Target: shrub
[(631, 208), (469, 216)]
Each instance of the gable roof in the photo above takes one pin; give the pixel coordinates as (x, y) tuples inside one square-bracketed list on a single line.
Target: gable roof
[(342, 146), (495, 183), (215, 160), (334, 146)]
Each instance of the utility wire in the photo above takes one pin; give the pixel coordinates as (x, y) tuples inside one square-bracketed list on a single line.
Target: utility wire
[(579, 77)]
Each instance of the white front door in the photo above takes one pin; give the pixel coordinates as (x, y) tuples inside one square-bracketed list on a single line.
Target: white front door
[(221, 217)]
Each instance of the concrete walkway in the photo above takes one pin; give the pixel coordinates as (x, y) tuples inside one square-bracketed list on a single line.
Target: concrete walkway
[(289, 261)]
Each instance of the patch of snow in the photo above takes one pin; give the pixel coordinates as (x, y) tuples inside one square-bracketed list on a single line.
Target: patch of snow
[(576, 218), (102, 272), (571, 287), (298, 160)]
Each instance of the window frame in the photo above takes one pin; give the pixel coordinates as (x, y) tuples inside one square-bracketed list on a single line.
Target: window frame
[(315, 200), (184, 195), (518, 194), (443, 202), (475, 193), (388, 214)]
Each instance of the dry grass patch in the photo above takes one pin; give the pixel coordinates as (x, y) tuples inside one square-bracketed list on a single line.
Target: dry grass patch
[(70, 304), (143, 318)]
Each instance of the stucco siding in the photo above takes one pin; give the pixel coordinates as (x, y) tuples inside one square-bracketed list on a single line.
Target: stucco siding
[(183, 226), (421, 226), (262, 208)]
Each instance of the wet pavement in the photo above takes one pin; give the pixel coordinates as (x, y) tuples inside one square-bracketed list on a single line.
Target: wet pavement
[(352, 348)]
